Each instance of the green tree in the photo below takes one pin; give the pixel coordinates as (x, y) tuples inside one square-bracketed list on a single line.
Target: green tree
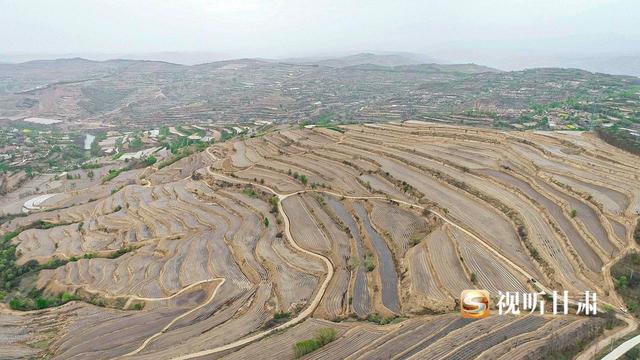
[(150, 160)]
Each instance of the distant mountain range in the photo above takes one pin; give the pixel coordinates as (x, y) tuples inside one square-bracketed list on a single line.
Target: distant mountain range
[(382, 59), (608, 64), (616, 65)]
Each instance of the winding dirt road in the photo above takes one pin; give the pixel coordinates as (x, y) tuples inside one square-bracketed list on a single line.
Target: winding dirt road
[(164, 329), (302, 315), (308, 311)]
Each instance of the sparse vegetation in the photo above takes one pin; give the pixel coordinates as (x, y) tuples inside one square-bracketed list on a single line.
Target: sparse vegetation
[(150, 160), (323, 337), (626, 279), (369, 263), (36, 300), (112, 174), (473, 278)]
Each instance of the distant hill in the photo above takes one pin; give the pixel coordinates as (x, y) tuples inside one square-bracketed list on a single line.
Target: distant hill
[(387, 59), (373, 88), (428, 68), (617, 65), (37, 74), (175, 57)]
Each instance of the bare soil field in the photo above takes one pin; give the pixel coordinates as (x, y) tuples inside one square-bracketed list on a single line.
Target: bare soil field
[(371, 230)]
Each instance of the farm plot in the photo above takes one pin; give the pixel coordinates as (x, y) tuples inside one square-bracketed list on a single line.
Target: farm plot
[(342, 176), (454, 337), (410, 334), (404, 227), (387, 268), (433, 337), (338, 238), (557, 340), (361, 301), (303, 227), (518, 341), (335, 301), (352, 340), (287, 165), (619, 229), (474, 348), (539, 231), (446, 262), (490, 272), (582, 247), (379, 184), (296, 259), (422, 279), (613, 200), (467, 211), (273, 179), (239, 158), (585, 214), (280, 346)]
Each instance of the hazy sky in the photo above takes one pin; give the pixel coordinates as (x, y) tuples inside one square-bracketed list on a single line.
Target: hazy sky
[(458, 29)]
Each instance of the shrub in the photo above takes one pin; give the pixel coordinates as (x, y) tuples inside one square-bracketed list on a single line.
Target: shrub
[(281, 315), (376, 318), (369, 265), (10, 235), (326, 335), (150, 160), (250, 193), (53, 263), (66, 297), (303, 179), (573, 213), (123, 250), (323, 337), (111, 174), (137, 306), (415, 239), (42, 303), (304, 347), (18, 304), (474, 278)]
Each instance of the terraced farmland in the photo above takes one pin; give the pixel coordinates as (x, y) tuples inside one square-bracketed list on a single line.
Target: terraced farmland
[(251, 246)]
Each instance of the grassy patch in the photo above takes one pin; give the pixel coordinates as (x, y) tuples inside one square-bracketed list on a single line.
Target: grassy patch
[(249, 192), (113, 173), (36, 300), (280, 315), (377, 319), (369, 264), (323, 337)]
